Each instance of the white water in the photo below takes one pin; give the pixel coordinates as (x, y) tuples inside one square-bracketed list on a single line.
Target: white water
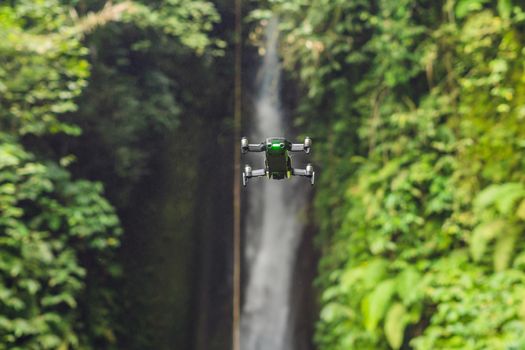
[(273, 227)]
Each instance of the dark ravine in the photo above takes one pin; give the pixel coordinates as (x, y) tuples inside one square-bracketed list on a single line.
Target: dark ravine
[(184, 252), (176, 252), (176, 219)]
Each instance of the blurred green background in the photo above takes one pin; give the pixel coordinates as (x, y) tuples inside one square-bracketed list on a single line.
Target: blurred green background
[(116, 135)]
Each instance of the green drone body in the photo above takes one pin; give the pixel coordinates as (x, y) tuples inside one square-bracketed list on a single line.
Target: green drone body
[(278, 164)]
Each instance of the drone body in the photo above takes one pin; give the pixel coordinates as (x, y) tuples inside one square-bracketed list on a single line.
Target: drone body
[(278, 164)]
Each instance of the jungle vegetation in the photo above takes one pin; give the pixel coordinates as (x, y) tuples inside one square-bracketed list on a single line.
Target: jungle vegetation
[(419, 109), (96, 101), (113, 235)]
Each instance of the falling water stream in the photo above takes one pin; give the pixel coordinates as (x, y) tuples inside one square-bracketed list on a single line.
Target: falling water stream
[(273, 226)]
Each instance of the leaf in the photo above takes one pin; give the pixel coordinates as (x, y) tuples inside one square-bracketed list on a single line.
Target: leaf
[(22, 327), (505, 8), (407, 285), (54, 222), (520, 212), (465, 6), (375, 271), (334, 312), (32, 286), (50, 341), (368, 274), (486, 197), (504, 249), (506, 202), (482, 235), (395, 323), (521, 311), (503, 196), (375, 304), (519, 262)]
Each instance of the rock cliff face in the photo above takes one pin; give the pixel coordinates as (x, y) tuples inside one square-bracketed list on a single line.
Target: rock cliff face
[(304, 307), (176, 249)]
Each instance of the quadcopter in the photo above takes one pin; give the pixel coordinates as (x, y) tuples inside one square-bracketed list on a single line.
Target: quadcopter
[(278, 164)]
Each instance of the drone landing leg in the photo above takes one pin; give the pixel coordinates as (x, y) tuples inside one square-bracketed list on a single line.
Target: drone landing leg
[(248, 173), (308, 172)]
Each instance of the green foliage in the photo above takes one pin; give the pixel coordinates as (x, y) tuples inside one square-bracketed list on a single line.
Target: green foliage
[(139, 87), (57, 234), (109, 79), (151, 105), (42, 67), (395, 325), (375, 304), (47, 223), (189, 21), (52, 227), (417, 110)]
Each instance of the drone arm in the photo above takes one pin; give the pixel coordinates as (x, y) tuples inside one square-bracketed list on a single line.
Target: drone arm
[(300, 147), (250, 147), (299, 172), (296, 147), (248, 173), (258, 147), (258, 172)]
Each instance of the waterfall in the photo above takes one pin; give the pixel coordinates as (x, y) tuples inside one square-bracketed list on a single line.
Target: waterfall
[(273, 226)]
